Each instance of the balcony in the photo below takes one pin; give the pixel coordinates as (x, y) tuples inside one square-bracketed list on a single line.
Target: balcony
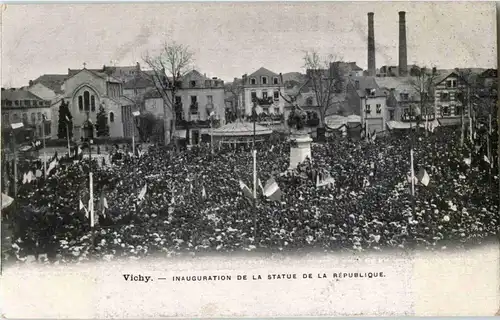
[(264, 101), (193, 108)]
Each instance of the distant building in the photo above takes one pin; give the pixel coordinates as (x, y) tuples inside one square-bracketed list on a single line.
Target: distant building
[(402, 97), (196, 99), (350, 69), (366, 99), (448, 87), (20, 105), (263, 86)]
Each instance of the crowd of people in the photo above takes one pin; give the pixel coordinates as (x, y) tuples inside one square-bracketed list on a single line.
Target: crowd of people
[(168, 202)]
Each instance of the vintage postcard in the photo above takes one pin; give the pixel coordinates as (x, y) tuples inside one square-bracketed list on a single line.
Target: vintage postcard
[(249, 159)]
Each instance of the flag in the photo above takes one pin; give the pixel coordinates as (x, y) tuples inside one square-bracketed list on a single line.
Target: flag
[(142, 194), (25, 178), (203, 193), (246, 191), (272, 190), (272, 148), (52, 165), (82, 207), (423, 177), (374, 136), (261, 187)]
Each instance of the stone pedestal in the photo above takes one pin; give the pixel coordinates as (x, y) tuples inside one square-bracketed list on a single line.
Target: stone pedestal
[(301, 150)]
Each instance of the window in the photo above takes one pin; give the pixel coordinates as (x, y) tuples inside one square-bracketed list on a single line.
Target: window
[(210, 99), (253, 81), (309, 101), (40, 103), (192, 84), (253, 95), (207, 83), (15, 118), (276, 95), (458, 109), (25, 118), (39, 116), (33, 118), (275, 80), (86, 100), (16, 102), (111, 117), (368, 109), (391, 114), (80, 103), (27, 103), (404, 96), (178, 100), (92, 103), (264, 95), (445, 111), (5, 118), (445, 96), (379, 109), (264, 80), (193, 108), (8, 103), (451, 83)]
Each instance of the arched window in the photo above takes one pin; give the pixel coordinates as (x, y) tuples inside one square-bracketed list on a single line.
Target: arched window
[(33, 118), (86, 100), (80, 103), (111, 117), (92, 103)]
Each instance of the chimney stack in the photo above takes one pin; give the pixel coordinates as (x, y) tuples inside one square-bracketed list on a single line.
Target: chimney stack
[(403, 64), (371, 46)]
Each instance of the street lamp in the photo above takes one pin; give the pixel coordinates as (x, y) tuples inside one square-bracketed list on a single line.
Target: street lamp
[(15, 127), (135, 114)]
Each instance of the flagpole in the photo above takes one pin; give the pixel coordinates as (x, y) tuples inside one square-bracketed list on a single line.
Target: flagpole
[(44, 152), (254, 153), (412, 165), (15, 162)]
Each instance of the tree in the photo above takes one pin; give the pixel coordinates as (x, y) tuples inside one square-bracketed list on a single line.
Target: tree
[(423, 82), (102, 126), (65, 121), (236, 89), (325, 78), (168, 68), (148, 122)]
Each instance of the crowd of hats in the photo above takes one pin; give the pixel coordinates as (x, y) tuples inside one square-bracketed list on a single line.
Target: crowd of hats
[(194, 203)]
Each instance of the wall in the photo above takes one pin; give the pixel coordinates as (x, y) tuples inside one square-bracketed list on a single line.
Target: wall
[(452, 101), (279, 105), (375, 121)]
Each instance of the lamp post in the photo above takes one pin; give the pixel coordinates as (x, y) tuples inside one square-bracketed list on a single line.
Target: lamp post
[(15, 127), (254, 154), (135, 114)]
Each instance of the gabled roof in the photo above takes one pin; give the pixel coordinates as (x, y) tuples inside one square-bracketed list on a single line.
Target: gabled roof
[(490, 73), (19, 94), (366, 83), (196, 74), (399, 85), (52, 81), (140, 82), (263, 72), (99, 73)]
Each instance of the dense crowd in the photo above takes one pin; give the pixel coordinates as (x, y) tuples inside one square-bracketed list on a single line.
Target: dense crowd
[(194, 204)]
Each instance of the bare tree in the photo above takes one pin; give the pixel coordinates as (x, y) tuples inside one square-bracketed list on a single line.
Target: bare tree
[(423, 82), (168, 68), (325, 78), (236, 89)]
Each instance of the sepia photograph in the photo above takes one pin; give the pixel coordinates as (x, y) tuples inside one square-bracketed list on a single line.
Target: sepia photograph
[(249, 130)]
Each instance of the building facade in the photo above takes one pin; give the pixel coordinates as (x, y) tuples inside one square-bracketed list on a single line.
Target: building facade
[(367, 100), (447, 96), (263, 86), (402, 97), (20, 105), (196, 99)]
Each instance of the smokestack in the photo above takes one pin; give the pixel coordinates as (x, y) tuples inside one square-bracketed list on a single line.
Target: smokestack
[(371, 46), (403, 63)]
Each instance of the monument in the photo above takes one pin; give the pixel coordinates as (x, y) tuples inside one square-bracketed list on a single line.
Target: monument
[(300, 140)]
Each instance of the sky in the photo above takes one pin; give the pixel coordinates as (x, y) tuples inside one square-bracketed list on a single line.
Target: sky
[(229, 39)]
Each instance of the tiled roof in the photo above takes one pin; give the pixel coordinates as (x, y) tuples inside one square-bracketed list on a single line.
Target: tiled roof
[(17, 94), (399, 84), (97, 72), (139, 82), (52, 81), (367, 83), (263, 72)]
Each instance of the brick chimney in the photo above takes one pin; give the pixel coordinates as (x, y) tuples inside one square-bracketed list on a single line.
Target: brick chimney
[(371, 46), (403, 63)]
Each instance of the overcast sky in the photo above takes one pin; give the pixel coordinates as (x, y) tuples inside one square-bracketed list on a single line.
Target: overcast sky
[(230, 39)]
